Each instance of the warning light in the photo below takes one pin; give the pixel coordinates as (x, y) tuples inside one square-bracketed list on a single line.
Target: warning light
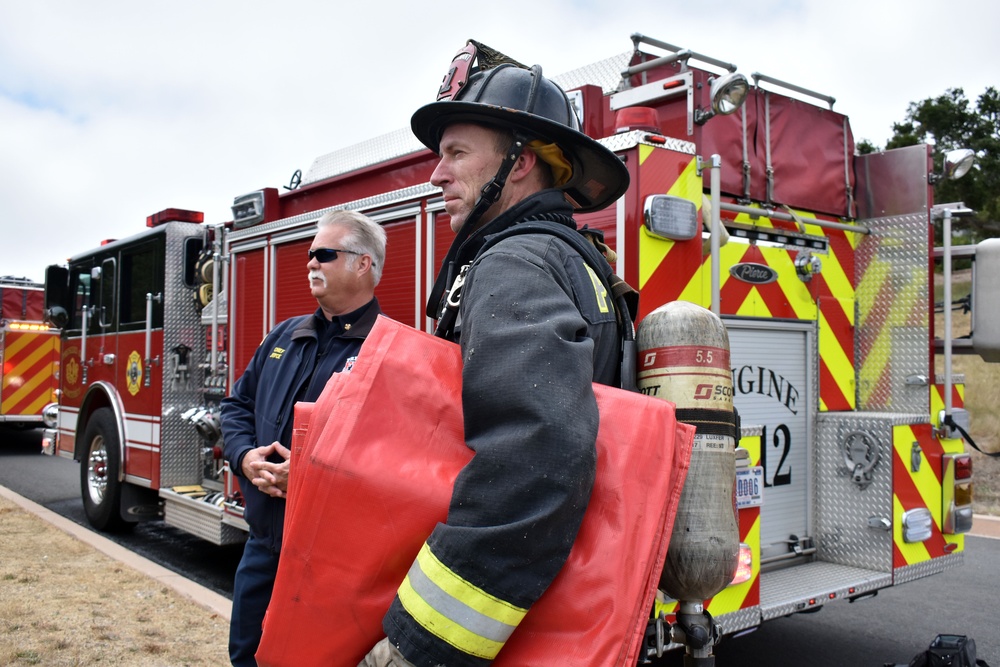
[(963, 494), (27, 326), (963, 467), (174, 215), (744, 566), (956, 493), (637, 118)]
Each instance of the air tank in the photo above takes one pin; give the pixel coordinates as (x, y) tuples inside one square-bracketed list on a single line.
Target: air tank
[(684, 359)]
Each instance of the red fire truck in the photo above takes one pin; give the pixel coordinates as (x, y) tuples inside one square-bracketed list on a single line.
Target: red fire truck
[(852, 475), (29, 354)]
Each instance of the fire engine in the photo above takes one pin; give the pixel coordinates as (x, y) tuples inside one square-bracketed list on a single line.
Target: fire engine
[(29, 354), (746, 197)]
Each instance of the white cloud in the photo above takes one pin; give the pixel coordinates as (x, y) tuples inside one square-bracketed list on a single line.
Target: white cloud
[(112, 110)]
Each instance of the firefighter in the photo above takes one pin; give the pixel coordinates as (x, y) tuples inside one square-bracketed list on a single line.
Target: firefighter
[(293, 364), (536, 328)]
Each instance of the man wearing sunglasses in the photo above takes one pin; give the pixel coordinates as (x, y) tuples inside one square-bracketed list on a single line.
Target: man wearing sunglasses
[(292, 364), (537, 327)]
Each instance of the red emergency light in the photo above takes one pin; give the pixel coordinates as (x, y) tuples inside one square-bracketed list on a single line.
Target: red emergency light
[(963, 467), (174, 215), (637, 118)]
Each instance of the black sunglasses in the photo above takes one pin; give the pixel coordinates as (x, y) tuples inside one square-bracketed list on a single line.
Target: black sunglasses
[(324, 255)]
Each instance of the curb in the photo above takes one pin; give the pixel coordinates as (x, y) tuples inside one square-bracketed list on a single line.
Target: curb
[(210, 600), (984, 525)]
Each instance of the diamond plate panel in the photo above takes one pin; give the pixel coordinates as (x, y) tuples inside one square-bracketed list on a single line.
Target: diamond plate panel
[(626, 140), (395, 197), (741, 619), (787, 591), (372, 151), (927, 567), (893, 322), (180, 444), (199, 518), (843, 508), (606, 73)]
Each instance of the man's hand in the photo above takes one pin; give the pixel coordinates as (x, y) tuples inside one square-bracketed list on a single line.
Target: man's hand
[(270, 478), (385, 655)]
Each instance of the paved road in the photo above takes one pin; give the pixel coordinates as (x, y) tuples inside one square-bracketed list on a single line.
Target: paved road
[(890, 628)]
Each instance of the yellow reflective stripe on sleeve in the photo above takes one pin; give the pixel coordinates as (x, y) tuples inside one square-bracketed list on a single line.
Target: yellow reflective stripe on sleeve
[(456, 611)]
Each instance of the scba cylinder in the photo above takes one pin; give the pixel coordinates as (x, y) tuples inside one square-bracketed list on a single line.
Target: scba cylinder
[(684, 359)]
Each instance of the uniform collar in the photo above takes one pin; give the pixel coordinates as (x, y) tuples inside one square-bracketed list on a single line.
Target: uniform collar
[(356, 324)]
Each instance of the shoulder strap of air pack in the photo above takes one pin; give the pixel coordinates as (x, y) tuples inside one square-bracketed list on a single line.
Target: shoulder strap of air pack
[(624, 297)]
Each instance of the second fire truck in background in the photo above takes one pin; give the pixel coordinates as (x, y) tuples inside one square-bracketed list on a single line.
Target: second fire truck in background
[(29, 354)]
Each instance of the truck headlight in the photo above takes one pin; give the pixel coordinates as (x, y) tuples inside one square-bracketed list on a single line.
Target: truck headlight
[(50, 415)]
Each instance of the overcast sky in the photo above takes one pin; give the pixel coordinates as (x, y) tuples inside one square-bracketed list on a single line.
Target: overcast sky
[(111, 110)]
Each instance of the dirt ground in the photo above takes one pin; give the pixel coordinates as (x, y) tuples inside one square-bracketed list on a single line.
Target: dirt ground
[(62, 603)]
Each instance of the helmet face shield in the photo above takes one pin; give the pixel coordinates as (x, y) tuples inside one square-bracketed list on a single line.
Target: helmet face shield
[(486, 87)]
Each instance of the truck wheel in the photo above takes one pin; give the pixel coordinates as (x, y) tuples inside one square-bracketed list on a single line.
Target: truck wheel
[(99, 467)]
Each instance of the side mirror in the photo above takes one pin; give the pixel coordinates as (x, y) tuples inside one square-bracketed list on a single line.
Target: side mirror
[(56, 289), (56, 316)]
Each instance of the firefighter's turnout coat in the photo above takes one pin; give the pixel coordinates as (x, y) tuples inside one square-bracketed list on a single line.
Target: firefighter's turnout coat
[(536, 328)]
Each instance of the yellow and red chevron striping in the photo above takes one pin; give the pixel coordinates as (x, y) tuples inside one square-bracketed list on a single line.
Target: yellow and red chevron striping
[(747, 594), (742, 298), (921, 488), (29, 364), (835, 291), (672, 270), (907, 496)]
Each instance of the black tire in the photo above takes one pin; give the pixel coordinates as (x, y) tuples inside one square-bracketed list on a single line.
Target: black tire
[(100, 464)]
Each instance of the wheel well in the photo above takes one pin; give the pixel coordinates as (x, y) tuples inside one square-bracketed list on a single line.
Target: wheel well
[(94, 401)]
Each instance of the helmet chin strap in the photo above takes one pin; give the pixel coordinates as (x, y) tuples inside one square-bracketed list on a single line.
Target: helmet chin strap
[(490, 192)]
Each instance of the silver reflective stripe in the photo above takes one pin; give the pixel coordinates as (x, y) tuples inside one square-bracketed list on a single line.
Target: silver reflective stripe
[(456, 610)]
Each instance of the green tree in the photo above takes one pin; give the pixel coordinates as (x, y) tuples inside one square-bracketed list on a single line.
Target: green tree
[(949, 121)]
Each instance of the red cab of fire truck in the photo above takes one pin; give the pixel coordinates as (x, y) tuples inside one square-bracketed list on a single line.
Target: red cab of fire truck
[(29, 354), (746, 198)]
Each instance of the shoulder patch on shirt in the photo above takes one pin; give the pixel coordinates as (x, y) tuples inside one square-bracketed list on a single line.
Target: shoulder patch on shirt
[(276, 353)]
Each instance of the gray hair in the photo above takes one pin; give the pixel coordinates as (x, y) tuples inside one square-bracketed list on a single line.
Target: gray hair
[(364, 236)]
